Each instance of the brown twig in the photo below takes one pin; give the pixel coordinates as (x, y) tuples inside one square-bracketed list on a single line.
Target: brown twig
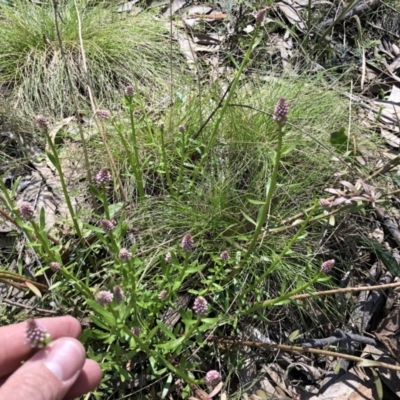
[(297, 349), (357, 10), (10, 277), (341, 290), (32, 308)]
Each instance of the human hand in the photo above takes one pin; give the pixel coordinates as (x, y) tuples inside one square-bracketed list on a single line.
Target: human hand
[(58, 371)]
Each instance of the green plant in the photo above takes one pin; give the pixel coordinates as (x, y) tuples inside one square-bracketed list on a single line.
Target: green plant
[(206, 248)]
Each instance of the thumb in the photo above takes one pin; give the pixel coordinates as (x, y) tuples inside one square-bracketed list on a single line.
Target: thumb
[(49, 374)]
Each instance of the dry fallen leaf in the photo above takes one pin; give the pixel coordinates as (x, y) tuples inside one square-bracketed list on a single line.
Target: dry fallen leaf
[(289, 9), (389, 376), (390, 138), (174, 7), (127, 6), (356, 384)]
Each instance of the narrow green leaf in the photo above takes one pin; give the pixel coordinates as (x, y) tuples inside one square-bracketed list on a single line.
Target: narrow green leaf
[(167, 386), (378, 384), (114, 208), (294, 335), (368, 363), (42, 219), (108, 317), (289, 147), (256, 202), (165, 329), (171, 345), (249, 218), (52, 159), (396, 179), (336, 369)]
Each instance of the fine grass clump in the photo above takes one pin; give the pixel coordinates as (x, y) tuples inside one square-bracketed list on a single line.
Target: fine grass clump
[(217, 195), (119, 51)]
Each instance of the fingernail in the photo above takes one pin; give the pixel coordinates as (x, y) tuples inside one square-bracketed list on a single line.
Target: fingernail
[(65, 359)]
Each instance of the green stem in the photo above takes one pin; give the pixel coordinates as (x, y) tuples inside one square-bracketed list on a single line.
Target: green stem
[(192, 329), (157, 356), (183, 140), (105, 203), (293, 240), (42, 240), (84, 289), (136, 166), (165, 161), (227, 100), (64, 186), (267, 204), (286, 296), (132, 280), (131, 156)]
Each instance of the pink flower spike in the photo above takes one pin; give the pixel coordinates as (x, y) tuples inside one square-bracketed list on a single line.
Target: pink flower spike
[(36, 335), (327, 266), (281, 111), (212, 378)]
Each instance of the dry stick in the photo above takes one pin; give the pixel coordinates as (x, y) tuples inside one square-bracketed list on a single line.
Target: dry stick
[(314, 219), (344, 290), (298, 349), (332, 291), (75, 102), (42, 310), (356, 10), (95, 107), (19, 281)]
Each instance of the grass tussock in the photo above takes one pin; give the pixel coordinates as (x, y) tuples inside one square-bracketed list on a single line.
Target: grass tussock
[(119, 51), (221, 208)]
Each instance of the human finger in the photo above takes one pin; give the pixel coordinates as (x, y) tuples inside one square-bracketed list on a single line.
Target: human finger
[(87, 381), (47, 375), (14, 348)]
